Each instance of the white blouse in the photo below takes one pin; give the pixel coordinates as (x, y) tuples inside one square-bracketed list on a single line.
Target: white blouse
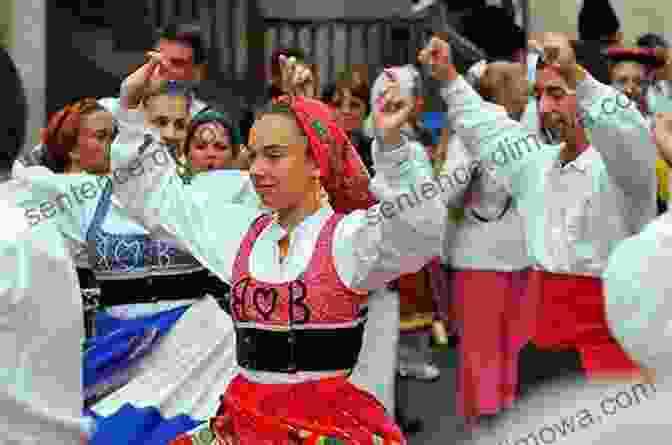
[(41, 325)]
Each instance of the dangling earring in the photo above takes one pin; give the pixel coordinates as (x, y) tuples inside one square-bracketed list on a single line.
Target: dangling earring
[(317, 192)]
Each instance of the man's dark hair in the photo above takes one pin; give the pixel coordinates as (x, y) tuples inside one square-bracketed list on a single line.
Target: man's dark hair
[(329, 92), (590, 56), (597, 21), (651, 40), (186, 33), (13, 127), (503, 37)]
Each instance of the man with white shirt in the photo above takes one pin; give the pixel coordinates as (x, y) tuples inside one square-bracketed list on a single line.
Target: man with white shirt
[(41, 315), (578, 200), (179, 54)]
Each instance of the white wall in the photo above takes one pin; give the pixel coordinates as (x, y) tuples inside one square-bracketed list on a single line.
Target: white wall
[(29, 53), (636, 16), (640, 16)]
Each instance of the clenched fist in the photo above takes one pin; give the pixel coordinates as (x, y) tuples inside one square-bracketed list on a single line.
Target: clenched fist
[(391, 111), (437, 57), (559, 55), (297, 78)]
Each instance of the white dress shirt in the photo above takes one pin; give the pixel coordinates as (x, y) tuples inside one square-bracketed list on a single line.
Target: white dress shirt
[(574, 215), (496, 245), (41, 327)]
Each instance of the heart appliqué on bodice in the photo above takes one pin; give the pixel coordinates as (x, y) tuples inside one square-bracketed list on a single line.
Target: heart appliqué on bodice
[(265, 300)]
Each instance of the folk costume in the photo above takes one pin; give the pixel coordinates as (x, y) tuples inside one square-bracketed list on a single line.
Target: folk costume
[(148, 373), (315, 300), (574, 214)]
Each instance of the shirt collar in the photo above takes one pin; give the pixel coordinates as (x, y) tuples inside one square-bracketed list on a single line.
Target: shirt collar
[(197, 105), (582, 163), (316, 219)]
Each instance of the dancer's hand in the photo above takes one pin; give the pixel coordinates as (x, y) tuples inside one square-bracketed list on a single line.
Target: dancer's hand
[(559, 55), (134, 87), (437, 57), (391, 112), (297, 78)]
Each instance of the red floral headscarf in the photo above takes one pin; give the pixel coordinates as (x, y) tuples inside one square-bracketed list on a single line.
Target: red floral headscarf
[(342, 172)]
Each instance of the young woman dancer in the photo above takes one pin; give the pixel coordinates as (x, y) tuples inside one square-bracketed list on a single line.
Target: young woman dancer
[(299, 276)]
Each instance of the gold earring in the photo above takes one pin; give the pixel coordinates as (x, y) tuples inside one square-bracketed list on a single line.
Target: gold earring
[(317, 196)]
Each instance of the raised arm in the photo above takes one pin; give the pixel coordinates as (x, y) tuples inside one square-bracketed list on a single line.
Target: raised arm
[(147, 185), (456, 173), (405, 230), (504, 146), (60, 200), (622, 136), (136, 83)]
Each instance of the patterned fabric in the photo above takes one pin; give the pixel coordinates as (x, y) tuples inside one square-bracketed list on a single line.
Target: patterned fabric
[(343, 174), (132, 425), (123, 253), (330, 411), (275, 414), (322, 297)]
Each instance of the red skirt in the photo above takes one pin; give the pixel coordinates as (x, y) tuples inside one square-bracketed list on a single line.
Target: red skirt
[(572, 315), (497, 320), (278, 414)]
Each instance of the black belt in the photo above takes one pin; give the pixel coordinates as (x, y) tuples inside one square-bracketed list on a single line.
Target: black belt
[(87, 280), (189, 286), (507, 207), (299, 349), (662, 206)]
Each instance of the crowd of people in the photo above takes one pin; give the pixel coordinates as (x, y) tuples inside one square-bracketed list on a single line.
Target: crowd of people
[(171, 275)]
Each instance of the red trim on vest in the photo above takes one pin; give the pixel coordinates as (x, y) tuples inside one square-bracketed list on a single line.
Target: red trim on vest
[(318, 295)]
